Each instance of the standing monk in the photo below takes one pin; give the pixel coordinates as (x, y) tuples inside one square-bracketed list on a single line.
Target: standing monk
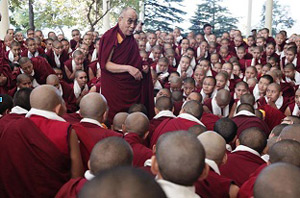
[(124, 78)]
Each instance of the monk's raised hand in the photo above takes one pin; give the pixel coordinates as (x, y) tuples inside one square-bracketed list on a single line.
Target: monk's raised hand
[(145, 69), (137, 74), (3, 80)]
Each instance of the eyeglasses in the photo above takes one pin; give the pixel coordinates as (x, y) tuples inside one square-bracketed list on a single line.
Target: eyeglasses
[(130, 21)]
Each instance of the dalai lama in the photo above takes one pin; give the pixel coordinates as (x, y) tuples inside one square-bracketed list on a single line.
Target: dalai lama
[(125, 80)]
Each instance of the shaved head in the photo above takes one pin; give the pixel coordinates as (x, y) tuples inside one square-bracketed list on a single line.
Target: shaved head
[(277, 130), (137, 123), (180, 157), (45, 97), (245, 107), (110, 152), (226, 128), (292, 119), (164, 103), (131, 182), (291, 132), (52, 79), (194, 108), (175, 79), (93, 105), (285, 151), (177, 96), (276, 85), (278, 180), (163, 92), (22, 98), (195, 96), (247, 99), (22, 77), (214, 146), (137, 108), (223, 97), (253, 138), (119, 120), (197, 129)]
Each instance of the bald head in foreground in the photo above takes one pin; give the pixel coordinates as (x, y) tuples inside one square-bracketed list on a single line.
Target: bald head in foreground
[(214, 146), (179, 160), (253, 138), (278, 180), (193, 108), (223, 98), (291, 132), (137, 123), (46, 97), (93, 106), (108, 153), (130, 183), (118, 121), (287, 151)]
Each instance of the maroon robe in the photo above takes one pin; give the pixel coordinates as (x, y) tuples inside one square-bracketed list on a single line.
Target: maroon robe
[(69, 97), (8, 119), (154, 123), (25, 52), (89, 134), (287, 89), (233, 82), (246, 190), (170, 124), (72, 118), (140, 152), (297, 67), (240, 165), (213, 186), (208, 104), (286, 101), (63, 58), (121, 89), (270, 39), (72, 188), (32, 165), (93, 67), (244, 122), (73, 44), (68, 64), (244, 63), (273, 117), (42, 69), (209, 120), (177, 107), (6, 71)]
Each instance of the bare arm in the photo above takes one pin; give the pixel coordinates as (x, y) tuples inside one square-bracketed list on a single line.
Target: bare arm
[(70, 75), (91, 74), (76, 161), (287, 112), (233, 191), (118, 68), (233, 108)]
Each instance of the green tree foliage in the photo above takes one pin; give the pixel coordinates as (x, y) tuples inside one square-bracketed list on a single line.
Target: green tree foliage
[(162, 14), (210, 11), (56, 14), (280, 18)]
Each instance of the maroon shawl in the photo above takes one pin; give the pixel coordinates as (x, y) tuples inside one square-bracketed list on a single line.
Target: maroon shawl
[(31, 165), (121, 89)]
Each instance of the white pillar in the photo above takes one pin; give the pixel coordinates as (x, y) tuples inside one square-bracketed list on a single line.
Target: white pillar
[(4, 23), (249, 17), (106, 22), (269, 12), (142, 11)]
